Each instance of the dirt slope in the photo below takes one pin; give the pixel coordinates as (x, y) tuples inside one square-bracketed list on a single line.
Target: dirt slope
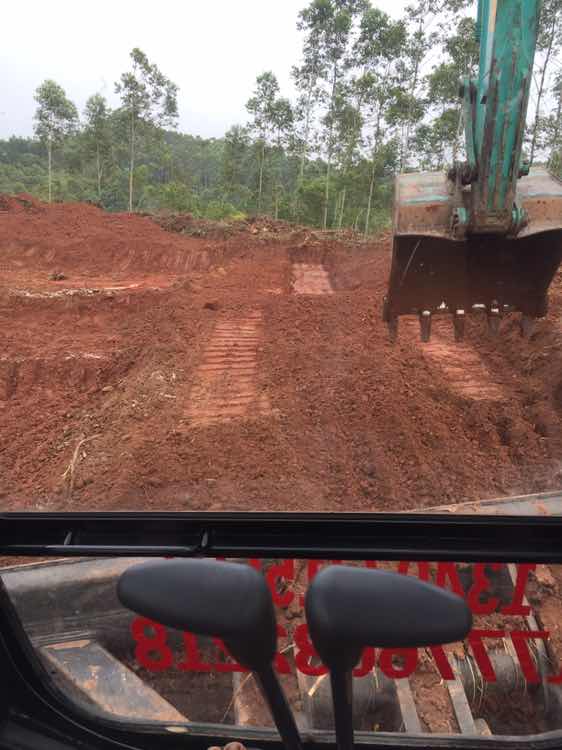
[(248, 371)]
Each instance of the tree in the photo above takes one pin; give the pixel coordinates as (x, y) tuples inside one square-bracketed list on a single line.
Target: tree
[(378, 50), (462, 49), (328, 25), (549, 41), (55, 117), (149, 100), (418, 17), (553, 129), (97, 134), (282, 117), (348, 136), (261, 106), (306, 79), (234, 156), (556, 117)]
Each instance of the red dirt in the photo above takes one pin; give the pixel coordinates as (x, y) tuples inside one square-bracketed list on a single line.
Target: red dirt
[(152, 330)]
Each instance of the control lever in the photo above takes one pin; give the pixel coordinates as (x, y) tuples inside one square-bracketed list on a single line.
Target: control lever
[(349, 608), (226, 600)]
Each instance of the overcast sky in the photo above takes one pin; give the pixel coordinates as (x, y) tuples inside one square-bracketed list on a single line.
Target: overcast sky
[(212, 49)]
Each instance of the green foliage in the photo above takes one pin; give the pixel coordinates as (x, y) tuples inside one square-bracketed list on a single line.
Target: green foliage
[(272, 120), (375, 96), (55, 118), (148, 103)]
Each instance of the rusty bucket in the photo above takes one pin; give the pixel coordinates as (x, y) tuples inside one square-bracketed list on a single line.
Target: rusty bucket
[(434, 271)]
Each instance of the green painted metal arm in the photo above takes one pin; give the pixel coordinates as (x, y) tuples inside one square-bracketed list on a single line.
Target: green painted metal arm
[(495, 111)]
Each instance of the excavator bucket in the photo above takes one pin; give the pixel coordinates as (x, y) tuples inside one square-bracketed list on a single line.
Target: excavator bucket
[(434, 271)]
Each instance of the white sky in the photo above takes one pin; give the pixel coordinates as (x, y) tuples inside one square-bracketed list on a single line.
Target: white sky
[(212, 49)]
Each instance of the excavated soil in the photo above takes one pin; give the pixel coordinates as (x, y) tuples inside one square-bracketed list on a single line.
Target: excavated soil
[(142, 368)]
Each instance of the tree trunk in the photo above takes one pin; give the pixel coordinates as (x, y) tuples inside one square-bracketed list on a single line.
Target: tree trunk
[(541, 89), (330, 136), (260, 185), (406, 144), (336, 211), (132, 163), (278, 174), (327, 192), (351, 145), (98, 166), (304, 151), (342, 207), (370, 201), (441, 145), (373, 171), (50, 167), (558, 119)]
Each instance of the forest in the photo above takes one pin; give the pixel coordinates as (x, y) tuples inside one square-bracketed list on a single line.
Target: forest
[(374, 96)]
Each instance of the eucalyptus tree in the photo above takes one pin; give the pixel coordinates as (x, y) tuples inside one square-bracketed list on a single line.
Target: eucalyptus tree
[(552, 127), (328, 27), (234, 157), (55, 118), (97, 135), (348, 139), (549, 45), (377, 50), (556, 117), (148, 101), (261, 107), (306, 79), (460, 59), (420, 39), (282, 117)]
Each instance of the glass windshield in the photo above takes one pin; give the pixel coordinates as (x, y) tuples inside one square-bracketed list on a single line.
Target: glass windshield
[(504, 679)]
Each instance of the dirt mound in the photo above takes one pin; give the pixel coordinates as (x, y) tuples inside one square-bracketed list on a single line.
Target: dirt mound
[(260, 228), (255, 226), (253, 374), (79, 240)]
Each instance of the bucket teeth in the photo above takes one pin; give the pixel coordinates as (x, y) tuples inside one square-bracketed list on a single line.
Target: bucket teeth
[(425, 325), (390, 320), (527, 326), (392, 324), (459, 319), (494, 319)]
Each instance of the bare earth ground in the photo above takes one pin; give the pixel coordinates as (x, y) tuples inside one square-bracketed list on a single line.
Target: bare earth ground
[(248, 369)]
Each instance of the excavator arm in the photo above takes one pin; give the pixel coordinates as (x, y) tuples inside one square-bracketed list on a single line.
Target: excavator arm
[(487, 236)]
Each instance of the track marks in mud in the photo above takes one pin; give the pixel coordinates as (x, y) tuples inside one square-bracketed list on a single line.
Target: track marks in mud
[(176, 261), (461, 364), (465, 369), (225, 386), (311, 278)]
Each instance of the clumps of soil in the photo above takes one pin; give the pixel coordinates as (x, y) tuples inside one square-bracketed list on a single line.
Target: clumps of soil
[(259, 228), (355, 424), (255, 226), (87, 242), (19, 203)]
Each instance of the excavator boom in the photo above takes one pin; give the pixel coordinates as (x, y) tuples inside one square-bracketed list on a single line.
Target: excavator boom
[(487, 236)]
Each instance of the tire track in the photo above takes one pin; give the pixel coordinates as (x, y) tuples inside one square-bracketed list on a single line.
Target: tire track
[(311, 278), (462, 365), (226, 381)]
